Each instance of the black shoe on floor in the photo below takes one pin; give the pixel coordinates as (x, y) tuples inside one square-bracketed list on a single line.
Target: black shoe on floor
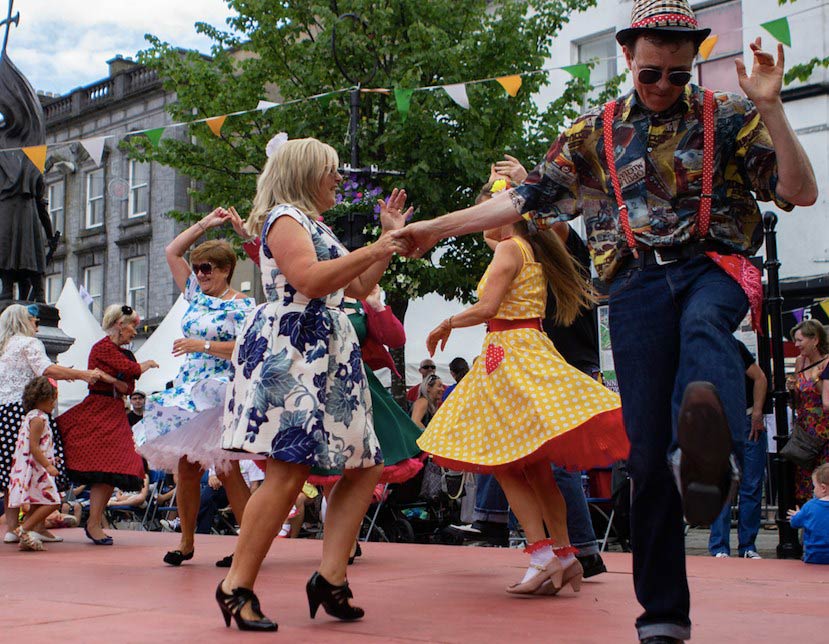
[(705, 468), (660, 639), (592, 565), (225, 562)]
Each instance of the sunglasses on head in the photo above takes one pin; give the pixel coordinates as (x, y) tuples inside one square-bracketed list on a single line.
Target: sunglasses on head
[(432, 380), (205, 268), (651, 76)]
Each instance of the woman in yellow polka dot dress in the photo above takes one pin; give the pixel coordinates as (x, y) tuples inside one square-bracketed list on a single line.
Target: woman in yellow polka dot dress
[(522, 406)]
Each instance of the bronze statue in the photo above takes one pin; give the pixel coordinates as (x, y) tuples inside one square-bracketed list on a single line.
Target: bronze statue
[(24, 213)]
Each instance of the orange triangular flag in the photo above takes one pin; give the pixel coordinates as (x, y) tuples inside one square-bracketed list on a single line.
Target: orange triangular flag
[(510, 83), (215, 124), (707, 46), (37, 155)]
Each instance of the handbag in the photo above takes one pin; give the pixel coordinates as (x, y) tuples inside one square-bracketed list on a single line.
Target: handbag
[(803, 448)]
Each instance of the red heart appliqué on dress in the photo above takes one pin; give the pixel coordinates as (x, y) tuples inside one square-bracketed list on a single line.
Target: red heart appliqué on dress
[(494, 356)]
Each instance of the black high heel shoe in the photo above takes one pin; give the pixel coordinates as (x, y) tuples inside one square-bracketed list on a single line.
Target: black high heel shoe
[(358, 552), (175, 557), (232, 604), (334, 599)]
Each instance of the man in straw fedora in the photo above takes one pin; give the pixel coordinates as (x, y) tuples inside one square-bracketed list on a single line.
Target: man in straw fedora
[(667, 178)]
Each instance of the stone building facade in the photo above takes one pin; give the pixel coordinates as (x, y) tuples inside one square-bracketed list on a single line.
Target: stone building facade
[(112, 216)]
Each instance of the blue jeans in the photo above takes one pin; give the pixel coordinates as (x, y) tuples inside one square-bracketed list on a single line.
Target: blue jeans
[(669, 325), (753, 466), (491, 505), (490, 501)]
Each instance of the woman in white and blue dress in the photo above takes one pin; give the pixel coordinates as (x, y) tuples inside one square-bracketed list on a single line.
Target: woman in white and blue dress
[(300, 396), (182, 426)]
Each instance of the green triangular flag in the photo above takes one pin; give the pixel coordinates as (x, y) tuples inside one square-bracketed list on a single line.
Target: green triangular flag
[(780, 30), (403, 98), (154, 135), (579, 71)]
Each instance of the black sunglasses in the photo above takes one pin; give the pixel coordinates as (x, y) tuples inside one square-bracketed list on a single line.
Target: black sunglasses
[(430, 367), (650, 76), (205, 268)]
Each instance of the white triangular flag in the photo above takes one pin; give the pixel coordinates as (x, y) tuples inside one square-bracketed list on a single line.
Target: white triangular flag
[(95, 148), (457, 93), (266, 105), (85, 296)]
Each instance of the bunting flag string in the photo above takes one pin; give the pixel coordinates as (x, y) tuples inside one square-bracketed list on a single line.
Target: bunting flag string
[(582, 71), (511, 84), (154, 135), (778, 28), (95, 148), (707, 46), (37, 155), (457, 92), (403, 98), (215, 124)]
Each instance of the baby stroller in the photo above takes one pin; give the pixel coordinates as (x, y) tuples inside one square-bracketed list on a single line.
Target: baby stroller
[(419, 510)]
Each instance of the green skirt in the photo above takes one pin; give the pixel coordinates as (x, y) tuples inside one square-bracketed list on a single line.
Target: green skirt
[(396, 433)]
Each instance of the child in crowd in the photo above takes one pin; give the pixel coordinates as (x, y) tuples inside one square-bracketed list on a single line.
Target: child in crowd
[(813, 517), (33, 472)]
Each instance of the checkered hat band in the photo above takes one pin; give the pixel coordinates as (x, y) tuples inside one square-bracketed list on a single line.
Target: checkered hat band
[(666, 20)]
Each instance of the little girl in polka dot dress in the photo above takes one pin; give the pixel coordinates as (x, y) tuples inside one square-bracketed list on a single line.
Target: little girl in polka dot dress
[(32, 478), (522, 406)]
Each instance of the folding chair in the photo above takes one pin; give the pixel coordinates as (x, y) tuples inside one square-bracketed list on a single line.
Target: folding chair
[(594, 492)]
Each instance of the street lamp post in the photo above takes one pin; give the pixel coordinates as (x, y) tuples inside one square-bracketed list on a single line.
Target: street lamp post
[(789, 545)]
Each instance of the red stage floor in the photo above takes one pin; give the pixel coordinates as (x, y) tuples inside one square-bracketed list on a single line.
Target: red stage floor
[(78, 592)]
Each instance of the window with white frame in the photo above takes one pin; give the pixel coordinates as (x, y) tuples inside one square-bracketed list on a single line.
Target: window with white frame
[(137, 284), (95, 198), (139, 200), (56, 194), (725, 19), (53, 284), (600, 48), (93, 282)]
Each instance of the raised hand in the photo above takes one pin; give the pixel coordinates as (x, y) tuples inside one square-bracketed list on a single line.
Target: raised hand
[(766, 80), (510, 167), (216, 218), (392, 216), (237, 222)]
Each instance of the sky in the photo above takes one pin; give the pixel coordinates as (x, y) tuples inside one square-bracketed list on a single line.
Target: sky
[(63, 44)]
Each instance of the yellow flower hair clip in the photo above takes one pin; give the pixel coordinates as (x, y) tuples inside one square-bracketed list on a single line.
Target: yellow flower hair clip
[(498, 186)]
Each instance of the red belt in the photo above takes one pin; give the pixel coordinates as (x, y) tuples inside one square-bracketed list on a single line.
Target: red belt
[(498, 324)]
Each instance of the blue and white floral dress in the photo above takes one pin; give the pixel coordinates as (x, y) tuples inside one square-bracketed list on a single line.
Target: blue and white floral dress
[(300, 393), (186, 420)]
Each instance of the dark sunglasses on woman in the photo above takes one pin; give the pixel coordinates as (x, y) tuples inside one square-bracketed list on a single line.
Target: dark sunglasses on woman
[(205, 269), (651, 76)]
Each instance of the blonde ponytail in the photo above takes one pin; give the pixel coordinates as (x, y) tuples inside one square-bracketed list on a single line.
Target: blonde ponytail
[(566, 278)]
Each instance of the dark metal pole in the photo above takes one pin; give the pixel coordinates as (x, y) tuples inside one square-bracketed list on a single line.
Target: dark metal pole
[(353, 125), (789, 545)]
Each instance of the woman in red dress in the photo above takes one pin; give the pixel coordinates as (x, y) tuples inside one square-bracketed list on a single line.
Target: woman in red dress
[(98, 444)]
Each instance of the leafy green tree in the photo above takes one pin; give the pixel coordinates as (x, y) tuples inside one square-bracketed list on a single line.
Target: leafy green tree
[(443, 149)]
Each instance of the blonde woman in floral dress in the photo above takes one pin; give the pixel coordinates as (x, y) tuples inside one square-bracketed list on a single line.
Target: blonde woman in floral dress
[(299, 396)]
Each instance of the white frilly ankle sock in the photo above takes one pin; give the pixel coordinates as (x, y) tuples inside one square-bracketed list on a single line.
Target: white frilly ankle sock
[(539, 558)]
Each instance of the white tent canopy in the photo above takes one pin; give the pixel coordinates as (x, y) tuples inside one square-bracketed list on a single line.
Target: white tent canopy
[(423, 315), (159, 347), (76, 321)]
